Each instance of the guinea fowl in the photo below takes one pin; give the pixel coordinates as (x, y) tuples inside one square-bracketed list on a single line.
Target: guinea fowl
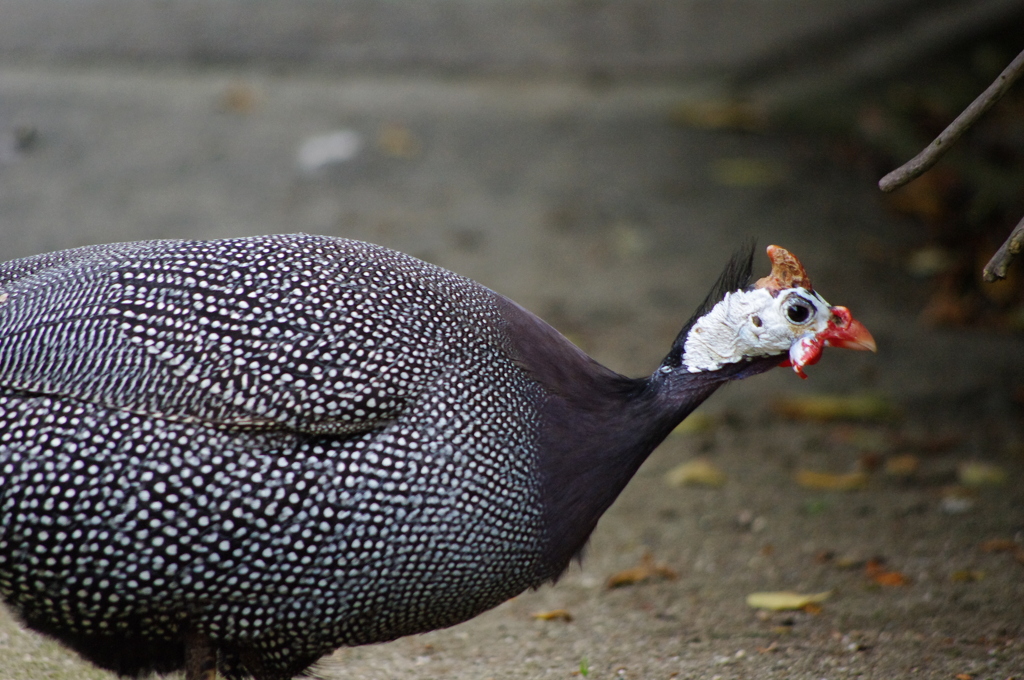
[(239, 455)]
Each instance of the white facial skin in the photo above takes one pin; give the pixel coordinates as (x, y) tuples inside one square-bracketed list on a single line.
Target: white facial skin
[(754, 323)]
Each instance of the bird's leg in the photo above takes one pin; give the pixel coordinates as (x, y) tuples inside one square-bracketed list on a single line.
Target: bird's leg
[(200, 657)]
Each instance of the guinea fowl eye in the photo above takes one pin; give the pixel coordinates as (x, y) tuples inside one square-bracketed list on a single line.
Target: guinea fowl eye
[(799, 312)]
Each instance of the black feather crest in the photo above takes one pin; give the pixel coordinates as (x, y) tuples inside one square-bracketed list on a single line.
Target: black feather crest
[(735, 276)]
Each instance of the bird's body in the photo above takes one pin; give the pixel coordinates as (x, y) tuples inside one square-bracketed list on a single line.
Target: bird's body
[(268, 448)]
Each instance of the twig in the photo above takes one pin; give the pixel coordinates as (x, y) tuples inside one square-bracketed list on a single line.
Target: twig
[(919, 164), (916, 166), (1000, 262)]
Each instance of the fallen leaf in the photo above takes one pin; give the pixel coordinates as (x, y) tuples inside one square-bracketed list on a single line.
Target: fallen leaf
[(719, 115), (929, 261), (554, 615), (696, 472), (1003, 545), (891, 578), (874, 565), (747, 172), (876, 571), (241, 98), (824, 407), (784, 600), (827, 481), (966, 576), (998, 545), (646, 571), (902, 466), (978, 473), (964, 676), (628, 240), (398, 141)]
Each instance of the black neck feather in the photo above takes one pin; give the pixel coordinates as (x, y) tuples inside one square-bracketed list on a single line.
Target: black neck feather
[(597, 426), (591, 448), (735, 276)]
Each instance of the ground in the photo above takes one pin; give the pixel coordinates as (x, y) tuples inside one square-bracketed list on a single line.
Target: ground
[(593, 206)]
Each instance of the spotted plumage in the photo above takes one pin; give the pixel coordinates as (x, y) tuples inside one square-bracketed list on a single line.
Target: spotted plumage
[(263, 449)]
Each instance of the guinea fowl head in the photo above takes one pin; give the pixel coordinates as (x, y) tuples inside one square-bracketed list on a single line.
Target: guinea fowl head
[(599, 430), (779, 315)]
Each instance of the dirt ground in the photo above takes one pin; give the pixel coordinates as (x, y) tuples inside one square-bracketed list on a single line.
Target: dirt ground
[(591, 207)]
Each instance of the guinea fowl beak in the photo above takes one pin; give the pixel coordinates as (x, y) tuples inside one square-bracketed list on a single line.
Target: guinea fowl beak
[(847, 332), (842, 331)]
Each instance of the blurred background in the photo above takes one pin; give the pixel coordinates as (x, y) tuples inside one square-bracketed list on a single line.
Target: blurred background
[(598, 161)]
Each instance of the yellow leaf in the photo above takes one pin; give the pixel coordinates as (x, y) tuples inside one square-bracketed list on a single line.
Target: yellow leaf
[(930, 261), (966, 576), (747, 172), (976, 473), (783, 600), (720, 115), (871, 407), (697, 472), (826, 481), (646, 571), (554, 615)]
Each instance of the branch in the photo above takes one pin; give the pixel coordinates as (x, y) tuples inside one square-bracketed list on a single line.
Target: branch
[(997, 266), (916, 166)]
